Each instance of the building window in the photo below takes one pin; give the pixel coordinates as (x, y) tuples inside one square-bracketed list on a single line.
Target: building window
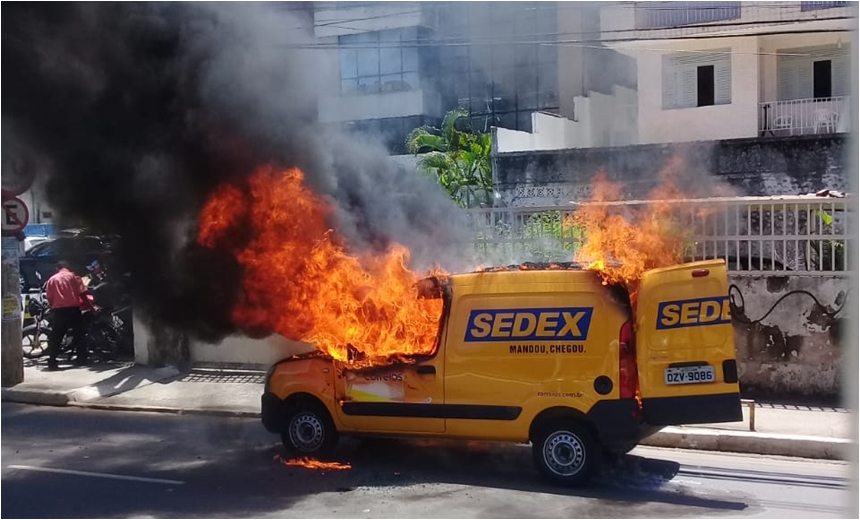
[(697, 79), (821, 79), (381, 61), (813, 72), (662, 15), (704, 85), (812, 6)]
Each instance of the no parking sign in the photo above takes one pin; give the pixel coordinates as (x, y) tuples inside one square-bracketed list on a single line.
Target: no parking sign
[(15, 215)]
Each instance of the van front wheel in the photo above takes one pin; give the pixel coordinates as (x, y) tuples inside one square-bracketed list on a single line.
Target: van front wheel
[(310, 430), (566, 453)]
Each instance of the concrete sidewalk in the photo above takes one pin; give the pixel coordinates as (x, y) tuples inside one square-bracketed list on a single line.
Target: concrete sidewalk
[(795, 431)]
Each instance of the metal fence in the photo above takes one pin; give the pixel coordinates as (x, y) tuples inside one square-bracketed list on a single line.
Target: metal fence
[(756, 235)]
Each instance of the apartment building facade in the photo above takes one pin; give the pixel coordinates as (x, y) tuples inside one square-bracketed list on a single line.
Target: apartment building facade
[(723, 70), (400, 65)]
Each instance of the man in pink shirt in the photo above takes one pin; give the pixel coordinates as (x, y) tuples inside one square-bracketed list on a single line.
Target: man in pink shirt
[(64, 291)]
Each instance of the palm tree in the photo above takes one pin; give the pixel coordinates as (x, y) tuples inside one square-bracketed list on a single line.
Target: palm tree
[(459, 160)]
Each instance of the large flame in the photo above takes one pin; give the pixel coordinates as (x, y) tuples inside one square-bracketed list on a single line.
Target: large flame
[(623, 239), (300, 281)]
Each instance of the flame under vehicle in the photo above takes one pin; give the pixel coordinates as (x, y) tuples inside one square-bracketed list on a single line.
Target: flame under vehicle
[(553, 357)]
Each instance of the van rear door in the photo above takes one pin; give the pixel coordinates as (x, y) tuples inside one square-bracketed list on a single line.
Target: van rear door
[(685, 346)]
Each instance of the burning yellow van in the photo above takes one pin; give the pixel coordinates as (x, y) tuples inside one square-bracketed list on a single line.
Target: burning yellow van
[(549, 356)]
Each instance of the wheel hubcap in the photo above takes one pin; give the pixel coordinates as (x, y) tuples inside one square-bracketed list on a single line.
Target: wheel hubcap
[(564, 453), (306, 432)]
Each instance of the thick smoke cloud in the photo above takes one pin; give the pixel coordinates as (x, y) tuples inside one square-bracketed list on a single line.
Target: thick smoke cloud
[(139, 110)]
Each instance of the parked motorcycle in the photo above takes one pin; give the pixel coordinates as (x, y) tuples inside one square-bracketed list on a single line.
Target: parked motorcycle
[(107, 329)]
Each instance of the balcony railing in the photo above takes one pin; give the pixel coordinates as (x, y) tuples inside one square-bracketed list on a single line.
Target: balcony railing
[(657, 15), (805, 116)]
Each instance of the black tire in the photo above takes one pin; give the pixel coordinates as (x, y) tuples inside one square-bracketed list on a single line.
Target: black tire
[(565, 452), (309, 430), (35, 346)]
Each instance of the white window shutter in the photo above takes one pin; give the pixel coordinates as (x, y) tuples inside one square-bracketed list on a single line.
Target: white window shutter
[(804, 80), (841, 76), (787, 79), (723, 80), (688, 86), (670, 83)]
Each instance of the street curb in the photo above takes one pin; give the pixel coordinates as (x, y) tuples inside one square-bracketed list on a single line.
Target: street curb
[(41, 397), (827, 448), (166, 409)]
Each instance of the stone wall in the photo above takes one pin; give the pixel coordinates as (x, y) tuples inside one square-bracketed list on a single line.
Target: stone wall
[(789, 345), (757, 167)]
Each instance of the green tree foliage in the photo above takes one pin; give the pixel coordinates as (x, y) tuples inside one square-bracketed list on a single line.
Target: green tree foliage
[(460, 160)]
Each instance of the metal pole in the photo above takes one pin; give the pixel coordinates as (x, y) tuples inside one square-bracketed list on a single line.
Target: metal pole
[(13, 356)]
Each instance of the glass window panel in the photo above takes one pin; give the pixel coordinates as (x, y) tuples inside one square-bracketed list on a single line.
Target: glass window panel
[(348, 63), (389, 60), (409, 34), (410, 59), (411, 80), (547, 53), (366, 37), (507, 120), (527, 99), (368, 62), (348, 86), (389, 36), (368, 85), (524, 121), (548, 85), (391, 82), (526, 54)]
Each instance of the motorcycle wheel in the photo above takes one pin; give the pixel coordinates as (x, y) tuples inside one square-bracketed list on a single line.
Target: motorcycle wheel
[(103, 342), (35, 342)]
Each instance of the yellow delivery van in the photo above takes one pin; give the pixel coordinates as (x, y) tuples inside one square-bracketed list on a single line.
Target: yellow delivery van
[(552, 357)]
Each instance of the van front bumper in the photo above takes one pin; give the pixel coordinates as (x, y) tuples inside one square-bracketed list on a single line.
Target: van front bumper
[(272, 413)]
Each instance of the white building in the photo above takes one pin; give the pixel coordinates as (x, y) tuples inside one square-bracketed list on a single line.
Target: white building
[(722, 70)]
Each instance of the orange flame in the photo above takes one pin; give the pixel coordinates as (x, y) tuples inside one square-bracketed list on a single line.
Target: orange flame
[(299, 280), (307, 462), (622, 241)]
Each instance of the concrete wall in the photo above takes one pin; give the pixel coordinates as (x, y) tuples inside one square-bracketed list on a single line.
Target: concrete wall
[(756, 167), (345, 19), (788, 345), (240, 351), (601, 120)]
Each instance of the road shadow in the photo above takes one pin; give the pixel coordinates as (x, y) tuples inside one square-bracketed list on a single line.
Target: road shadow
[(231, 468)]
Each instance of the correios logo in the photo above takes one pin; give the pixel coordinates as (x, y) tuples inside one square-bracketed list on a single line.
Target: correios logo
[(385, 377), (556, 323)]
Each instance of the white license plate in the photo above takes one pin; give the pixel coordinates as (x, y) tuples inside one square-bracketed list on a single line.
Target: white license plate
[(689, 375)]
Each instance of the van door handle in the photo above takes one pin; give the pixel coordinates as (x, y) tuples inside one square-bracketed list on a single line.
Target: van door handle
[(424, 370)]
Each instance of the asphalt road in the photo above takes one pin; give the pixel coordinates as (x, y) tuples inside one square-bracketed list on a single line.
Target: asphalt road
[(66, 462)]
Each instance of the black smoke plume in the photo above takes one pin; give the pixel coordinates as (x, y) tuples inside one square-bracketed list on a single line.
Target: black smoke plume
[(138, 111)]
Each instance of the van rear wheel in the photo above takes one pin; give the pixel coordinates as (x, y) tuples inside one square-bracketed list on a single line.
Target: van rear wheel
[(566, 453), (310, 430)]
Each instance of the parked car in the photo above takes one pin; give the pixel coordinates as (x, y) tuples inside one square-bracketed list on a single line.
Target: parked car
[(74, 246)]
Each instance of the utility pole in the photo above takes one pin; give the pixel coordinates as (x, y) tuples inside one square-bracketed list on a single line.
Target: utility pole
[(12, 363), (18, 173)]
